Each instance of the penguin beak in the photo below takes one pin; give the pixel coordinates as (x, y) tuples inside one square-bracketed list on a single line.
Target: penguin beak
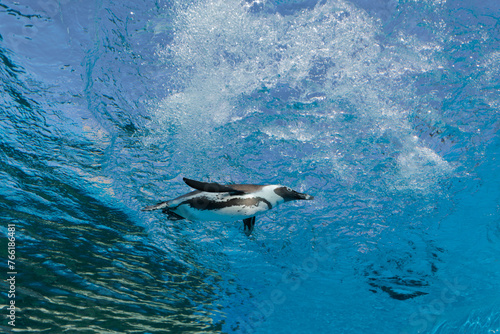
[(304, 196)]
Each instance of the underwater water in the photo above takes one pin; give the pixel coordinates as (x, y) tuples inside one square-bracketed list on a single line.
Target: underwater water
[(386, 111)]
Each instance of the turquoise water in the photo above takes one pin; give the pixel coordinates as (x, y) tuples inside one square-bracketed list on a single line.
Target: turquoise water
[(386, 111)]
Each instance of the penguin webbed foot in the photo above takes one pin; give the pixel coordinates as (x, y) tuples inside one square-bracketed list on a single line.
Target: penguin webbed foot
[(249, 224), (171, 215), (161, 205)]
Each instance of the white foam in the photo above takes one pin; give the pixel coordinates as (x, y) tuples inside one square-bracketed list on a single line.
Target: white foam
[(328, 58), (420, 168)]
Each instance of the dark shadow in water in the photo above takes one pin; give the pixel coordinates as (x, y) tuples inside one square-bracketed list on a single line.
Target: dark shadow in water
[(83, 265), (88, 276)]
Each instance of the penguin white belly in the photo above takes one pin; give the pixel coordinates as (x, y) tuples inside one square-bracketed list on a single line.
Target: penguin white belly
[(216, 207)]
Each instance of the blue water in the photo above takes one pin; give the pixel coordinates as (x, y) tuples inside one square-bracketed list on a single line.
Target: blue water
[(386, 111)]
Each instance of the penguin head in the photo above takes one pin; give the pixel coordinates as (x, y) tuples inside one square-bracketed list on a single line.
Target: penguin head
[(291, 195)]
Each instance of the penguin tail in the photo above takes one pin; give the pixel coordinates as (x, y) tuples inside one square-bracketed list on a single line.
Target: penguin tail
[(158, 206)]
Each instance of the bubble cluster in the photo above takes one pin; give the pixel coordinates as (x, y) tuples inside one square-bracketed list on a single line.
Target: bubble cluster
[(320, 75)]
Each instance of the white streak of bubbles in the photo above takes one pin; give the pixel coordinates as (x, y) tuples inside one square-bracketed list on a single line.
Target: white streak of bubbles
[(222, 52)]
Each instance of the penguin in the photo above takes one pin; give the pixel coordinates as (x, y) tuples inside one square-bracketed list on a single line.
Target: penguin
[(217, 202)]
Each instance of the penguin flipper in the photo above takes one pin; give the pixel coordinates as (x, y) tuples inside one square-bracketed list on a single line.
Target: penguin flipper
[(249, 224), (211, 187)]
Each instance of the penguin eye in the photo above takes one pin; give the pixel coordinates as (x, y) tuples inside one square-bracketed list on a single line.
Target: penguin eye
[(288, 189)]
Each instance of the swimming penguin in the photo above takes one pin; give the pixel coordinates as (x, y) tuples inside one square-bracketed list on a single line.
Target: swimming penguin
[(213, 201)]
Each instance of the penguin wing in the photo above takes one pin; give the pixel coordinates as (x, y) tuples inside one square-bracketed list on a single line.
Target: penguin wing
[(248, 223), (212, 187)]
